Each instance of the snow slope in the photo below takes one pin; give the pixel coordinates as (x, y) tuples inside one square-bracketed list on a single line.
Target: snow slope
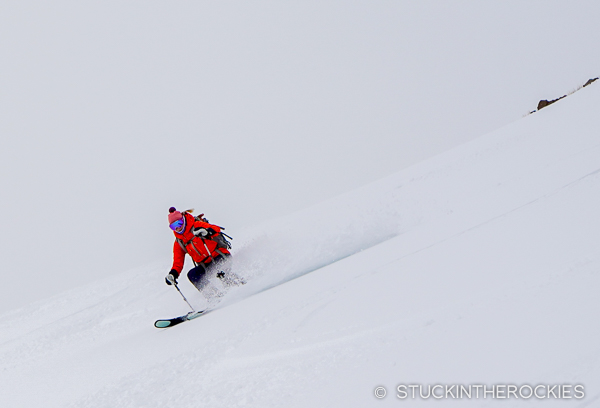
[(478, 266)]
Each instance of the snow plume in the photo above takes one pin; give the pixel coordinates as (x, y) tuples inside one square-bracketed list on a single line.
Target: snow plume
[(302, 242)]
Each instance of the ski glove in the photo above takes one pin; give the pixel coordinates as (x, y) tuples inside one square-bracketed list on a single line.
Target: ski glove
[(171, 278), (200, 232), (203, 232)]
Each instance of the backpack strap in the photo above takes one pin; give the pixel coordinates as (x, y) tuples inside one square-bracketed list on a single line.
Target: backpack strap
[(223, 254), (207, 251), (181, 244)]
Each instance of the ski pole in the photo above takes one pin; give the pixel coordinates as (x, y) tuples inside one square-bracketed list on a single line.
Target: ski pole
[(186, 301)]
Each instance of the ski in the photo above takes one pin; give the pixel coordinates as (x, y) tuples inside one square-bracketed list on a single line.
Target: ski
[(164, 323)]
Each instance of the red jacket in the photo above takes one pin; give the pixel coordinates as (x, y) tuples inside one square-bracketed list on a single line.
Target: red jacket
[(202, 250)]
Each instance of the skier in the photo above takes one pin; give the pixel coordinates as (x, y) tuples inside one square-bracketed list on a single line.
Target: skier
[(207, 248)]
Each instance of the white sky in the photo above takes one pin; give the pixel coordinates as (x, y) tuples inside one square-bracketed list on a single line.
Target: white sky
[(112, 111)]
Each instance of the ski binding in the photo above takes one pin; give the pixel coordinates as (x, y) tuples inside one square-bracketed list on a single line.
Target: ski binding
[(164, 323)]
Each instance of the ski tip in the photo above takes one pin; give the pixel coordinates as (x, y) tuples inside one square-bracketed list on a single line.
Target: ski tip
[(164, 323), (161, 324)]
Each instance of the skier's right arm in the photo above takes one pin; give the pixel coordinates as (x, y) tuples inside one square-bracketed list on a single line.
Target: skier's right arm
[(178, 262)]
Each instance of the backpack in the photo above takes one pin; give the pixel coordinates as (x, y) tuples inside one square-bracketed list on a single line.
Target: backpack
[(220, 238)]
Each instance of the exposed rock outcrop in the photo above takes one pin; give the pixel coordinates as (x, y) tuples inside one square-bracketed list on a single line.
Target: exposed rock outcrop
[(589, 81), (544, 102)]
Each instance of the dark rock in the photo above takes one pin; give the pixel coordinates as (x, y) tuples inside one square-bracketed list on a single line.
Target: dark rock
[(543, 103)]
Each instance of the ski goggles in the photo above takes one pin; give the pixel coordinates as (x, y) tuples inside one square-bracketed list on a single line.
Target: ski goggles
[(175, 225)]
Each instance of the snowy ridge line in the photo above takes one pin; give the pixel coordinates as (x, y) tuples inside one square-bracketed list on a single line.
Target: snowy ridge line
[(477, 169), (392, 207)]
